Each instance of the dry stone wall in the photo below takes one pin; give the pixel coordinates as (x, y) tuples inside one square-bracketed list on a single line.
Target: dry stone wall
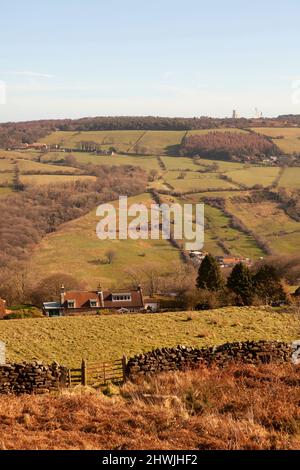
[(182, 357), (32, 378)]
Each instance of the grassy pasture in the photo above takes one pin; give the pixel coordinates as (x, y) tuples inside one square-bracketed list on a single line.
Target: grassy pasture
[(291, 141), (6, 164), (222, 194), (251, 176), (51, 179), (97, 338), (5, 191), (145, 162), (196, 181), (5, 178), (180, 163), (270, 222), (218, 231), (223, 166), (206, 131), (75, 248), (161, 142), (121, 140), (21, 154), (290, 178), (28, 166)]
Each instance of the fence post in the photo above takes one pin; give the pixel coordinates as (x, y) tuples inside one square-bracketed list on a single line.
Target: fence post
[(84, 372), (124, 364), (104, 375)]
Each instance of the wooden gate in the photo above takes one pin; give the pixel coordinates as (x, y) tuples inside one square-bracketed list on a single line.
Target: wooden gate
[(74, 377), (99, 373)]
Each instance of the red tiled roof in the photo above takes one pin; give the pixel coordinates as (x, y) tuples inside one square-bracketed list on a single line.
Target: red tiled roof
[(82, 299)]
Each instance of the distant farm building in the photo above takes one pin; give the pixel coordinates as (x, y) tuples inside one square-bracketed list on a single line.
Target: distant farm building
[(197, 256), (224, 261), (231, 261), (36, 146)]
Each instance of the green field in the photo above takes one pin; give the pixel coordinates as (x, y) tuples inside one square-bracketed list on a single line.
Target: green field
[(34, 167), (160, 142), (180, 163), (4, 191), (145, 162), (290, 178), (153, 142), (75, 248), (21, 154), (223, 129), (220, 237), (68, 340), (271, 223), (6, 164), (5, 178), (254, 175), (291, 141), (121, 140), (195, 181), (218, 229), (52, 179)]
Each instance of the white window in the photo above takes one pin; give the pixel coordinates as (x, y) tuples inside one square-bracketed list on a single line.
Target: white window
[(71, 303), (93, 303), (121, 297)]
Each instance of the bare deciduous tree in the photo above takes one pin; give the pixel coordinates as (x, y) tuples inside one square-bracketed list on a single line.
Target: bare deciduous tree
[(111, 256)]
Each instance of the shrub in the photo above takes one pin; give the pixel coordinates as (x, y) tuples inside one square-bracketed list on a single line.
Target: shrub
[(31, 312)]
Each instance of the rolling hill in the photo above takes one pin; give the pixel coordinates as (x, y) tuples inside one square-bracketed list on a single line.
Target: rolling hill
[(75, 248)]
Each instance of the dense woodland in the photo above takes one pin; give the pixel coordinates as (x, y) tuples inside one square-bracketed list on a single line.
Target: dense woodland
[(28, 132), (233, 146)]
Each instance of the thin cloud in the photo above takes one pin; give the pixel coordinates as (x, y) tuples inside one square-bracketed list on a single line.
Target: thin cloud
[(30, 74)]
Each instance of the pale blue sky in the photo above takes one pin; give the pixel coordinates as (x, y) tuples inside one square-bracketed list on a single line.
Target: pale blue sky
[(72, 58)]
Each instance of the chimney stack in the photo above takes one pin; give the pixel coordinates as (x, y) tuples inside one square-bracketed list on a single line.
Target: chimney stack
[(62, 295), (100, 295), (140, 290)]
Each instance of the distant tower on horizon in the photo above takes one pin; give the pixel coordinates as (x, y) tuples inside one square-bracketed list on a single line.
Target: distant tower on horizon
[(258, 114), (235, 114)]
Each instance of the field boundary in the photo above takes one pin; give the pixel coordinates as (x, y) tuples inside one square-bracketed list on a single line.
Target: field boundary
[(97, 374), (137, 141)]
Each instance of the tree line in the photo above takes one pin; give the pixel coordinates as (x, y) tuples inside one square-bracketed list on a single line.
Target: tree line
[(16, 133), (229, 146)]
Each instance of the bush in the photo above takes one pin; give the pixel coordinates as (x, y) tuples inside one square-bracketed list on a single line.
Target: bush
[(30, 312), (200, 299)]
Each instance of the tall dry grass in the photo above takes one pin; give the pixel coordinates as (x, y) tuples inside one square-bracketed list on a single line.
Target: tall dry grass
[(240, 407)]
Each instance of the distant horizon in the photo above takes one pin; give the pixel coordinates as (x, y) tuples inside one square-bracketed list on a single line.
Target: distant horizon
[(147, 116)]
